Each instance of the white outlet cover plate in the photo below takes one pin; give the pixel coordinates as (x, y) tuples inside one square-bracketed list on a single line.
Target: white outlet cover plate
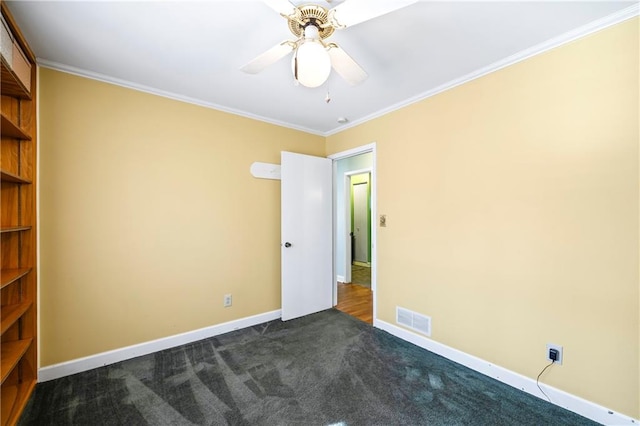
[(558, 348)]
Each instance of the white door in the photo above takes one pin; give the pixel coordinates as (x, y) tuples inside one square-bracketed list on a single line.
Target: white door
[(361, 222), (307, 246)]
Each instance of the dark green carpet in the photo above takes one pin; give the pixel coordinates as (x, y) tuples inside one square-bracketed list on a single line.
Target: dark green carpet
[(323, 369)]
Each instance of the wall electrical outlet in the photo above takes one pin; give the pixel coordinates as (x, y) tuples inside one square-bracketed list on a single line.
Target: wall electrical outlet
[(557, 348), (227, 300)]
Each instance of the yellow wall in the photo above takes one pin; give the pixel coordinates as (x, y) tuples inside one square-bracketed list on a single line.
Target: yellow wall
[(149, 215), (512, 215)]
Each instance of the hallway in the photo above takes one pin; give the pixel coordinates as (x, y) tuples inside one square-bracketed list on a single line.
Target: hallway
[(361, 275), (356, 300)]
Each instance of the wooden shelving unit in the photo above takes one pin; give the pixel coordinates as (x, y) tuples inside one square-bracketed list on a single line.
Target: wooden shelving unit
[(18, 284)]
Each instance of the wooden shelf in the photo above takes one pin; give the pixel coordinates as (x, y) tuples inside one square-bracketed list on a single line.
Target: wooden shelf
[(15, 228), (11, 84), (11, 354), (11, 314), (14, 399), (9, 398), (10, 177), (11, 129), (10, 275)]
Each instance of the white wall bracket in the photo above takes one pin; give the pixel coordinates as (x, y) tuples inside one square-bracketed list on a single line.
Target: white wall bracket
[(265, 170)]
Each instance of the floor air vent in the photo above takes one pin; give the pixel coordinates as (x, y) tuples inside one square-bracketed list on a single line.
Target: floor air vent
[(413, 320)]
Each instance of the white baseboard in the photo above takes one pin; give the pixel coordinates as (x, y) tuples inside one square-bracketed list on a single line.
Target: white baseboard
[(340, 278), (105, 358), (558, 397)]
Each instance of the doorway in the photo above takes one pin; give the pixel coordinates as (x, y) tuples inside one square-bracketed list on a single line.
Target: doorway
[(360, 221), (300, 232), (359, 224), (354, 233)]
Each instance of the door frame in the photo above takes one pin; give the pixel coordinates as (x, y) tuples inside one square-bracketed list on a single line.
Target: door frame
[(374, 208), (347, 220)]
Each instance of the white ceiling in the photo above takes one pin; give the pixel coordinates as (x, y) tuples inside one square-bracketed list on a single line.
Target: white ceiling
[(193, 50)]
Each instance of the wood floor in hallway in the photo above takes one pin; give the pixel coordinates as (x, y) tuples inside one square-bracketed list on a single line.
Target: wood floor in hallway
[(356, 300)]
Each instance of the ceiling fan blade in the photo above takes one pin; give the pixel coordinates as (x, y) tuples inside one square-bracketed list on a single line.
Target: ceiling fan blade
[(344, 65), (353, 12), (269, 57), (283, 7)]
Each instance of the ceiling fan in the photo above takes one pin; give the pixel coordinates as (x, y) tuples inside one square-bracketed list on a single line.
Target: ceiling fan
[(311, 24)]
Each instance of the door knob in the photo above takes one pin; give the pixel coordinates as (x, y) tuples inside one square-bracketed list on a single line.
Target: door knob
[(287, 244)]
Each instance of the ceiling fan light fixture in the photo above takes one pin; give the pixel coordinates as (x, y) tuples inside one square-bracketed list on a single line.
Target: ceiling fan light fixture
[(311, 24), (311, 62)]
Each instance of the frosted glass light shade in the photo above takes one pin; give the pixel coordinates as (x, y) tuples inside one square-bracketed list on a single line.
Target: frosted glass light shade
[(313, 64)]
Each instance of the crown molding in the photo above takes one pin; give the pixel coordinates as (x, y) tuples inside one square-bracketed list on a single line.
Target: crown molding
[(590, 28), (568, 37), (154, 91)]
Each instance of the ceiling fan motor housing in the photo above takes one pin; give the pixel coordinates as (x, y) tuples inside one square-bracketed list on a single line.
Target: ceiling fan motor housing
[(311, 14)]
